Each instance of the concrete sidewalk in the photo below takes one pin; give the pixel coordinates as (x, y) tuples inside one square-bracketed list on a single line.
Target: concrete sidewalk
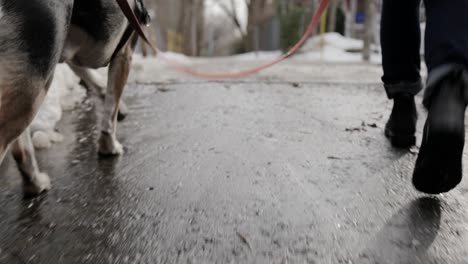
[(290, 166)]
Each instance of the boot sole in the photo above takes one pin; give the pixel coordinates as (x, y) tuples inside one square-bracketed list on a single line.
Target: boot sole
[(439, 165)]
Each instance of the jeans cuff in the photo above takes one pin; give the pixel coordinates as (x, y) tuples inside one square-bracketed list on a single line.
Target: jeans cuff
[(410, 88)]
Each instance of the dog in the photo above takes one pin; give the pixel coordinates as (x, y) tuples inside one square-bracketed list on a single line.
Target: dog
[(36, 35)]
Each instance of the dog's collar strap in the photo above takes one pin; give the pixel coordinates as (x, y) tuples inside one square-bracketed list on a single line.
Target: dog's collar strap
[(141, 16), (142, 13)]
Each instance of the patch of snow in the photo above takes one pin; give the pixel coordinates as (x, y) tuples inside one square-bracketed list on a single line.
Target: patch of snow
[(335, 40), (64, 94), (335, 55), (56, 137), (176, 56), (336, 49), (41, 140), (259, 55)]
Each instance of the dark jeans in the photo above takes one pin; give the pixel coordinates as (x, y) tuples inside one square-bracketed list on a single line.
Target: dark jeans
[(446, 41)]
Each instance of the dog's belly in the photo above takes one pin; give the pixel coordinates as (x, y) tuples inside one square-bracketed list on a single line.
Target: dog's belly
[(96, 29), (84, 51)]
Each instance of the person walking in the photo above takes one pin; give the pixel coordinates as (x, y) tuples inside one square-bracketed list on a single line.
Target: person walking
[(438, 167)]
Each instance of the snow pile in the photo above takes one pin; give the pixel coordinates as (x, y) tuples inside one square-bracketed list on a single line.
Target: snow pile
[(259, 55), (176, 56), (336, 48), (334, 40), (64, 94), (336, 55)]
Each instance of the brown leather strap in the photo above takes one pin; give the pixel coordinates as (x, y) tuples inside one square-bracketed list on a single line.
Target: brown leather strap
[(134, 22)]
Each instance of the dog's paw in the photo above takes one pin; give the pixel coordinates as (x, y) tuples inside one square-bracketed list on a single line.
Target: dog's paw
[(39, 184), (109, 146)]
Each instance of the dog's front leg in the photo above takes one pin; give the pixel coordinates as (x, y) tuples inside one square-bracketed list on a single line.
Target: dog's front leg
[(117, 78), (90, 78), (34, 181)]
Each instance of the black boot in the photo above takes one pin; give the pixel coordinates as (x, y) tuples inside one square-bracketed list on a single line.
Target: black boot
[(439, 165), (401, 126)]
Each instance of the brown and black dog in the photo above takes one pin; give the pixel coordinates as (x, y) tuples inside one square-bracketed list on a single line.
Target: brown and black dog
[(36, 35)]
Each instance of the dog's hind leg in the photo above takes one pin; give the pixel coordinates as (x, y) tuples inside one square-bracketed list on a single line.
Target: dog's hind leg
[(118, 74), (19, 102), (93, 81), (18, 105), (34, 182)]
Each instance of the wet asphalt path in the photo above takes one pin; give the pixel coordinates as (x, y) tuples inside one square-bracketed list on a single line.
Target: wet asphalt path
[(233, 172)]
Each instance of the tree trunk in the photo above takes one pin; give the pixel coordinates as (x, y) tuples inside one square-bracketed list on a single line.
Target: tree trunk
[(350, 7), (190, 27), (258, 12), (252, 21), (333, 10), (368, 29)]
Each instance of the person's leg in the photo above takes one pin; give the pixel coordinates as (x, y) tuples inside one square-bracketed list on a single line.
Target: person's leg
[(400, 40), (446, 35), (439, 165)]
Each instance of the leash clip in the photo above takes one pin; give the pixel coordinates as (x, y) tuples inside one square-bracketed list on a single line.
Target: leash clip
[(145, 18)]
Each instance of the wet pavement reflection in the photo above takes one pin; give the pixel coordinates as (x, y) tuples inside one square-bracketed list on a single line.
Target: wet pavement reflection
[(241, 175)]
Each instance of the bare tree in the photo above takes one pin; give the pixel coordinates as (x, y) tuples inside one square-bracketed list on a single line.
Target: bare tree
[(190, 26), (333, 11), (258, 11), (350, 8), (369, 24), (231, 12)]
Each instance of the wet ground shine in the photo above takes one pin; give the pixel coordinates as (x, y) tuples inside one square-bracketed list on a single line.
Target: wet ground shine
[(265, 170)]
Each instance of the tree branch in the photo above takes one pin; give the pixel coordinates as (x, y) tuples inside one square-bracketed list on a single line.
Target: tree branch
[(232, 14)]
